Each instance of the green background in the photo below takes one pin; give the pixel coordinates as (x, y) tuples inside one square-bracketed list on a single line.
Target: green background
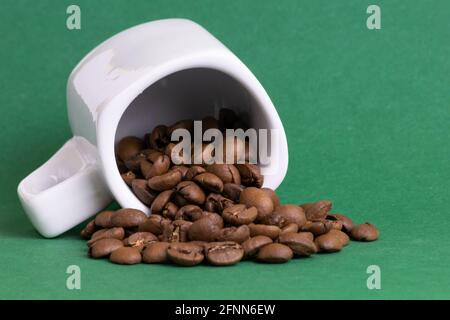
[(367, 119)]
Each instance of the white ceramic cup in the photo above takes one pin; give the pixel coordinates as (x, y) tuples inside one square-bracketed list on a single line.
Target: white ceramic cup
[(155, 73)]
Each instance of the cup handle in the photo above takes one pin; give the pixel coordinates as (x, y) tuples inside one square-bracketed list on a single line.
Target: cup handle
[(66, 190)]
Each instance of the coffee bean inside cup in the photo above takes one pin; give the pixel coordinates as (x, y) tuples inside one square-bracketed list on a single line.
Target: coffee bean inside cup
[(210, 213)]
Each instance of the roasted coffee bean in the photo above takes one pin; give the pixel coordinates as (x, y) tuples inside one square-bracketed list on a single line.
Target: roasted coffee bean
[(160, 201), (209, 181), (204, 229), (202, 244), (217, 203), (364, 232), (335, 223), (165, 182), (170, 210), (191, 192), (126, 255), (154, 224), (182, 169), (299, 244), (113, 233), (185, 253), (250, 175), (315, 211), (152, 155), (189, 212), (291, 214), (129, 147), (317, 227), (89, 230), (226, 172), (223, 253), (235, 234), (128, 177), (275, 253), (347, 223), (134, 163), (252, 245), (214, 217), (193, 171), (254, 197), (272, 195), (103, 219), (232, 191), (307, 235), (239, 214), (264, 230), (291, 227), (104, 247), (121, 166), (156, 252), (140, 239), (142, 191), (332, 241), (176, 231), (159, 137), (159, 167), (128, 218)]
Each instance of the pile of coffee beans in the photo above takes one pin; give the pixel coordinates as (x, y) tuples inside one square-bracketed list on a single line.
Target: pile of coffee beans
[(219, 213)]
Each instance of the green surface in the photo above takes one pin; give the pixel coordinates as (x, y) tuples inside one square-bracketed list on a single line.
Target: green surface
[(366, 115)]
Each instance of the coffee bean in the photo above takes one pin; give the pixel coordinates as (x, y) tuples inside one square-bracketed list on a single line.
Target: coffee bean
[(291, 214), (191, 192), (114, 233), (182, 169), (315, 211), (129, 147), (185, 253), (299, 244), (272, 195), (239, 214), (89, 230), (156, 252), (154, 224), (182, 124), (160, 201), (177, 231), (307, 235), (214, 217), (331, 241), (140, 239), (347, 223), (252, 245), (128, 218), (291, 227), (126, 255), (103, 219), (170, 210), (121, 166), (165, 182), (228, 173), (275, 253), (224, 253), (217, 203), (232, 191), (264, 230), (159, 167), (204, 229), (317, 227), (235, 234), (254, 197), (142, 191), (250, 175), (209, 181), (128, 177), (189, 212), (193, 171), (364, 232), (335, 223), (159, 137), (103, 247)]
